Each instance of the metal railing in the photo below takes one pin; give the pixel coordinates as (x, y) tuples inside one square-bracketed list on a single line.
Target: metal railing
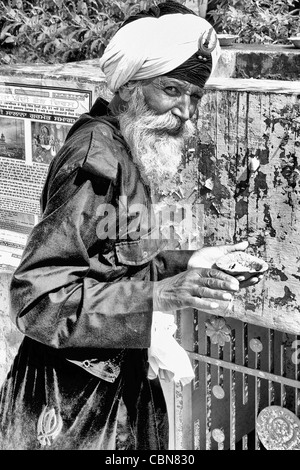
[(246, 391)]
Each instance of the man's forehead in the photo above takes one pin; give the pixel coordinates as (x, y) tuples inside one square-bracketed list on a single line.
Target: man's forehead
[(184, 85)]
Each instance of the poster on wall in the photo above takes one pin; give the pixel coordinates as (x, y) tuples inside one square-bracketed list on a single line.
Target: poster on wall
[(34, 123), (12, 139)]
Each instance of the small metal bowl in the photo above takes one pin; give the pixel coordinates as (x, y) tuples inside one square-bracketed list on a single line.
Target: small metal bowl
[(296, 41), (239, 263), (226, 39)]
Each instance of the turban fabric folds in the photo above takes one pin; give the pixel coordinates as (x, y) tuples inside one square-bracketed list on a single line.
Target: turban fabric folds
[(152, 46), (193, 70)]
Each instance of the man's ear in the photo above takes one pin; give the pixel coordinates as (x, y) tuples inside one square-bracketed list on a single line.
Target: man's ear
[(125, 93)]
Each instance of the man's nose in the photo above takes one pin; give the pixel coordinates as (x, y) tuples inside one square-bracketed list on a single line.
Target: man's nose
[(183, 108)]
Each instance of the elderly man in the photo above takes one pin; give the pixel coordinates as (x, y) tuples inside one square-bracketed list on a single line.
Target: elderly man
[(92, 275)]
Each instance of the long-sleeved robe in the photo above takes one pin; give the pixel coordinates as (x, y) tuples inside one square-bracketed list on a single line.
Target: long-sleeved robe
[(83, 298)]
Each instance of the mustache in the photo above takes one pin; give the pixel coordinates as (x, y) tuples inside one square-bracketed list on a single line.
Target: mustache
[(167, 123)]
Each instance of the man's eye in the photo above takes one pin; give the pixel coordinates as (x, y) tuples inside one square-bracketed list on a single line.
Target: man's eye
[(197, 96), (172, 91)]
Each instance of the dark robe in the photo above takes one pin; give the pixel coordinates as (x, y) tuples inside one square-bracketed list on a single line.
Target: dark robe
[(82, 297)]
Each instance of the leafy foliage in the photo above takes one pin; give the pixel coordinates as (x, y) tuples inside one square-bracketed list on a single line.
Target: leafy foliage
[(58, 31), (258, 21)]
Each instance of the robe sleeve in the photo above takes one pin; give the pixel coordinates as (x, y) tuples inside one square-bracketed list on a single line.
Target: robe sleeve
[(67, 292), (63, 294)]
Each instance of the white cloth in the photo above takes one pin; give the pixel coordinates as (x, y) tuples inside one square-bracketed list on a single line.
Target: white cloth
[(149, 47), (167, 359)]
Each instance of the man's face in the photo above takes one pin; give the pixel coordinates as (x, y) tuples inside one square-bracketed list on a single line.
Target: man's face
[(156, 126), (165, 94)]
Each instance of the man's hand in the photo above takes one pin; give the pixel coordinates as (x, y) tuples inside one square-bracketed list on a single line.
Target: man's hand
[(201, 288), (207, 257)]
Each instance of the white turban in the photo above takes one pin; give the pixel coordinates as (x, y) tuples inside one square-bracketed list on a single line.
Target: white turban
[(149, 47)]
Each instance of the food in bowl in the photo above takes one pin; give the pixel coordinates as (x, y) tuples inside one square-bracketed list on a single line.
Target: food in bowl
[(239, 263)]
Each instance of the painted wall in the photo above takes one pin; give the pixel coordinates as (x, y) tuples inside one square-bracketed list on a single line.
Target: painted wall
[(242, 124)]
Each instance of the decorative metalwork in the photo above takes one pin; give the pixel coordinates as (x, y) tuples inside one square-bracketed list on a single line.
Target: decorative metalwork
[(278, 428), (244, 370), (207, 43), (255, 370), (218, 330), (218, 391), (49, 426), (256, 345), (218, 435)]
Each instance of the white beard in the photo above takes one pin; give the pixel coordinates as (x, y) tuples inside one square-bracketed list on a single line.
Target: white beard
[(156, 141)]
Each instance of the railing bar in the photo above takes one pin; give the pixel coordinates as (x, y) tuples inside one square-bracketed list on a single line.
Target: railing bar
[(271, 367), (296, 375), (245, 370), (256, 394), (282, 372), (245, 442), (232, 394), (208, 439), (257, 403), (246, 352), (232, 409), (205, 349)]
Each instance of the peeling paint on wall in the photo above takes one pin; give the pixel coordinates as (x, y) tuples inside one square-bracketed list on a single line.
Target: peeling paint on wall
[(262, 206)]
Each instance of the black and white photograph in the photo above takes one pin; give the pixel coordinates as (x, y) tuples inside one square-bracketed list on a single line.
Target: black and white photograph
[(150, 228), (12, 138), (47, 140)]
